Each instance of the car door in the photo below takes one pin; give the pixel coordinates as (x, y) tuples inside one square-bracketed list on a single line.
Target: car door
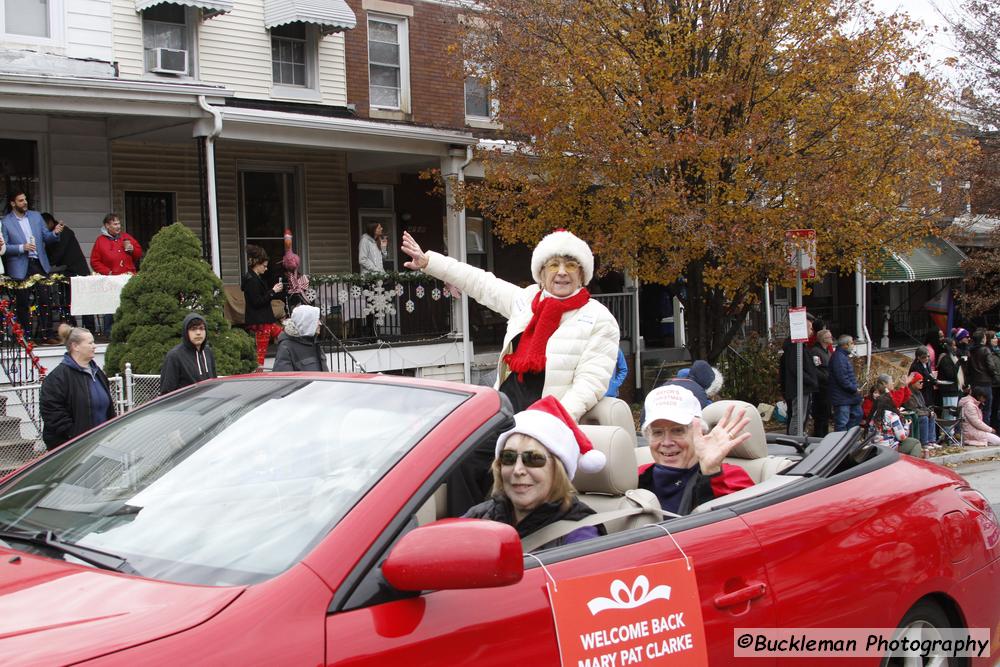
[(506, 625)]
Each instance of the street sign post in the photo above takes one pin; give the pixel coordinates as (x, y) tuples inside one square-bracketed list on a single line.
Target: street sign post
[(801, 244)]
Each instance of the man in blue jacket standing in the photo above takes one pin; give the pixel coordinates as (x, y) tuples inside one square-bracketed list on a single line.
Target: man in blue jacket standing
[(24, 237), (845, 396)]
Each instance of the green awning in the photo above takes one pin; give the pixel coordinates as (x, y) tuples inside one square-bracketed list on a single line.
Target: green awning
[(935, 259)]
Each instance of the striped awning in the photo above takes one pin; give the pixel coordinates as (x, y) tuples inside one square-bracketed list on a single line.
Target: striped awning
[(329, 16), (935, 259), (209, 7)]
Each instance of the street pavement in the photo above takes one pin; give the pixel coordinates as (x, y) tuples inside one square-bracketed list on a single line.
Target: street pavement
[(984, 476)]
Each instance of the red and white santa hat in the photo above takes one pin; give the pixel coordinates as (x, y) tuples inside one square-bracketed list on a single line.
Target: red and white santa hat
[(547, 421), (562, 243)]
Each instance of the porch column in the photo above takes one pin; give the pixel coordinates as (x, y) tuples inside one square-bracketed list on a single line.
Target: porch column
[(453, 171), (859, 298), (213, 212)]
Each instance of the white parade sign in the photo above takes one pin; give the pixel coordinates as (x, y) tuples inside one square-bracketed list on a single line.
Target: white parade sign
[(96, 295)]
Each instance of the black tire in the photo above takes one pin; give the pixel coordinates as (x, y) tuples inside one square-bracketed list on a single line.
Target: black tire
[(925, 617)]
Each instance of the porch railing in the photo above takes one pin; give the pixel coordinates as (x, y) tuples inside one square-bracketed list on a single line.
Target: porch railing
[(622, 306), (361, 309)]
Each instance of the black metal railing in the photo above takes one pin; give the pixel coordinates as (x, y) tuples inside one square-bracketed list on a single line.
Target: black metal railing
[(18, 364), (361, 310)]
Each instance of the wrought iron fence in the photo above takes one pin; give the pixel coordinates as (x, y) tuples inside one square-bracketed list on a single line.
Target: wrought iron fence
[(359, 310)]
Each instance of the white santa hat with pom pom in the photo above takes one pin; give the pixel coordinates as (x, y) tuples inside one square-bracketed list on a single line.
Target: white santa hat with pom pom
[(547, 421)]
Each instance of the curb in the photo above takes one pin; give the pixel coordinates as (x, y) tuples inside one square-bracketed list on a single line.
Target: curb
[(973, 454)]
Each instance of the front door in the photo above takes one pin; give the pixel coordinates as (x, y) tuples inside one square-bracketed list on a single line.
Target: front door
[(147, 213), (269, 206)]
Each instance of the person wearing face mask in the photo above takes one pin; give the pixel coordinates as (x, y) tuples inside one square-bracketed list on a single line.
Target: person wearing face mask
[(298, 346), (533, 474), (559, 342), (191, 360), (687, 468)]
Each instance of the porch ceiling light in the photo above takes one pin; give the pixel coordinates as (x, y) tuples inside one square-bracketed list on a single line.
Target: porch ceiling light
[(329, 16), (209, 8)]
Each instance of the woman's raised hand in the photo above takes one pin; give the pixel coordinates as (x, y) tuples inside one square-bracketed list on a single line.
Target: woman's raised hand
[(714, 446), (418, 259)]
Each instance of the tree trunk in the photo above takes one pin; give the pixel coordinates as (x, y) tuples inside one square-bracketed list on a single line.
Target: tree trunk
[(712, 320)]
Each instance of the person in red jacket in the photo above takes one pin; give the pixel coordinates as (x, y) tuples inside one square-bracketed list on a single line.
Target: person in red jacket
[(688, 468), (115, 252)]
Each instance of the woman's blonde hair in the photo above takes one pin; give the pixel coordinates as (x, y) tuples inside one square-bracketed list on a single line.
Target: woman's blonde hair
[(69, 336), (562, 490)]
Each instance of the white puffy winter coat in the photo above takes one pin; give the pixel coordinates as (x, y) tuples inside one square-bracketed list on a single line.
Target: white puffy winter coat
[(580, 355)]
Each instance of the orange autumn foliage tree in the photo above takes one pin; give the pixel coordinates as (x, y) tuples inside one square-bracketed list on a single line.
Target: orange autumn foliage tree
[(682, 138)]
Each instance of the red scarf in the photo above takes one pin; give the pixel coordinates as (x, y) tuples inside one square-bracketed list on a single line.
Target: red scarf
[(529, 357)]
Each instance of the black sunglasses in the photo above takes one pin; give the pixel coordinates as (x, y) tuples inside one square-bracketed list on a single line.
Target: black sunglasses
[(530, 459)]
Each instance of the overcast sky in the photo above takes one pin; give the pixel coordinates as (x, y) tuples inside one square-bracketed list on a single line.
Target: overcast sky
[(942, 45)]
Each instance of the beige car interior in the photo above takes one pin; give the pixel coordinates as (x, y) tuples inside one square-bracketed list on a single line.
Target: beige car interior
[(611, 429)]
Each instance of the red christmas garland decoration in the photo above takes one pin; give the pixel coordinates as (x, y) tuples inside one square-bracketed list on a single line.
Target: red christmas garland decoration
[(18, 331)]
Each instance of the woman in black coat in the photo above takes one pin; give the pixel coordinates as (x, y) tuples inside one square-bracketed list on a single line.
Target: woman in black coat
[(258, 315), (75, 396)]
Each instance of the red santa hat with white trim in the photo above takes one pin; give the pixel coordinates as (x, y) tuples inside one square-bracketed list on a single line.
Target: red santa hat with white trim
[(547, 421)]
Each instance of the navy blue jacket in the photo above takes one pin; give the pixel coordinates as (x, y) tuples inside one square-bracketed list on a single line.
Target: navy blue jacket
[(843, 382)]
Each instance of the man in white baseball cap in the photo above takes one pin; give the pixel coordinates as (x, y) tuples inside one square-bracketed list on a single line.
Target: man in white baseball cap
[(688, 468)]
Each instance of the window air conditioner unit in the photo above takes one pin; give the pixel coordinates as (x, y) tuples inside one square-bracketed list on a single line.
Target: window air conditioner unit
[(168, 61)]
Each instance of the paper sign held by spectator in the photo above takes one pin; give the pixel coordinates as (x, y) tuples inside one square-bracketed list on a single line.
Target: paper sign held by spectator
[(96, 295)]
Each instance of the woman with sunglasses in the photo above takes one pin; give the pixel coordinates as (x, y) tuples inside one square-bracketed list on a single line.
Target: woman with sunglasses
[(533, 471), (559, 342)]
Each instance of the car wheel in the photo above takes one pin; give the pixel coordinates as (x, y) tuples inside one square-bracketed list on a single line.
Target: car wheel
[(922, 622)]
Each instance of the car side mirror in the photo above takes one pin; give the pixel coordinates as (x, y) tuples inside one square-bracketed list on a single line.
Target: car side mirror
[(453, 554)]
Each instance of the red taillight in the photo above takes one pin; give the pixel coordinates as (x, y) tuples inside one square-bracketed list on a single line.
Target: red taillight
[(977, 500)]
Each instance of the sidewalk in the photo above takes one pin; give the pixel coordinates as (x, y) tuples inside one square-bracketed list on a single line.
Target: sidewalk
[(969, 454)]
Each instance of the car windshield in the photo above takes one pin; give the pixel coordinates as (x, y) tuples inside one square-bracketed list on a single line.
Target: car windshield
[(228, 483)]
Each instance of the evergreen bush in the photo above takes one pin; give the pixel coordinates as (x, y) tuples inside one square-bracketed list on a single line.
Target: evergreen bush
[(172, 281)]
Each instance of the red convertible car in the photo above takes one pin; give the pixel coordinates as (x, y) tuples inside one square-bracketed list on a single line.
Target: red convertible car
[(301, 520)]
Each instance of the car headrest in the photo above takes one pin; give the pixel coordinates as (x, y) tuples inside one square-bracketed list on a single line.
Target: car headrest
[(756, 446), (621, 471), (611, 412)]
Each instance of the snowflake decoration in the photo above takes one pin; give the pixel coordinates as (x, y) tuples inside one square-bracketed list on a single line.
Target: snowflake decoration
[(436, 294), (420, 291), (410, 306), (342, 296), (378, 302), (399, 289), (356, 291)]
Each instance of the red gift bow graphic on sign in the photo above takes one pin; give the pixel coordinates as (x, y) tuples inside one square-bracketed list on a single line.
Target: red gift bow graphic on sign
[(622, 597)]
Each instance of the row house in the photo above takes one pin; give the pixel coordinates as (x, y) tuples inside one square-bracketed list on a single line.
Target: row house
[(246, 118)]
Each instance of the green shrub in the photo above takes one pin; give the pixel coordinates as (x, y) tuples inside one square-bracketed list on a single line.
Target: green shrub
[(750, 370), (172, 281)]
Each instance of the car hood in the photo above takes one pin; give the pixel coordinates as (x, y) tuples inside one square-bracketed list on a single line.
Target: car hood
[(53, 612)]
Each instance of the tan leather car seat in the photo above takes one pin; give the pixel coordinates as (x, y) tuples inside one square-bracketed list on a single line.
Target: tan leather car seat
[(611, 412), (615, 487)]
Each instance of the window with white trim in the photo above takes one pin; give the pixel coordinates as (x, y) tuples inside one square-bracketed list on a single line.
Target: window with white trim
[(167, 39), (388, 63), (290, 55), (29, 18), (477, 97)]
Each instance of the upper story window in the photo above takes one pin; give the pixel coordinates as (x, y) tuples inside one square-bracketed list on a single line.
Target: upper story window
[(27, 17), (167, 38), (477, 97), (388, 63), (292, 45)]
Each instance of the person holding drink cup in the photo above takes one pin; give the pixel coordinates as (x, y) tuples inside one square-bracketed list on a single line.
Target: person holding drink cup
[(115, 252)]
